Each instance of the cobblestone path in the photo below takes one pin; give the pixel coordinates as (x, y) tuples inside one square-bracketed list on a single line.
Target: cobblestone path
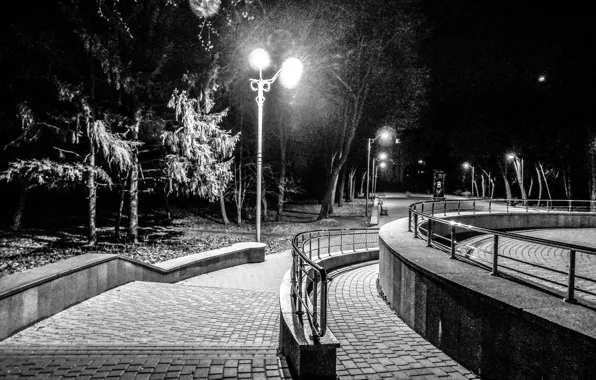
[(153, 331), (375, 343)]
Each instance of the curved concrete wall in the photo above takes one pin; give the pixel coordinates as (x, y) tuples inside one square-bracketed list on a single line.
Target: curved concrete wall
[(497, 328)]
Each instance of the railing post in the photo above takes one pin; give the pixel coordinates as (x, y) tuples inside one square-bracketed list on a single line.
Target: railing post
[(299, 287), (570, 206), (430, 234), (415, 225), (409, 219), (452, 242), (474, 207), (490, 204), (323, 326), (495, 271), (571, 281), (314, 297), (444, 208), (422, 210), (353, 242), (341, 241), (328, 243), (309, 245), (432, 210), (458, 207)]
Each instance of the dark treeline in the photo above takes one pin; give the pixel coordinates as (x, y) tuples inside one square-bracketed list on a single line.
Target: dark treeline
[(109, 103)]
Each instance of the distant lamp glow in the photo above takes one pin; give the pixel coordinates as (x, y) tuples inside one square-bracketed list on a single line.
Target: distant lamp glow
[(510, 156), (259, 58), (466, 165), (382, 156), (542, 78), (383, 164), (385, 135), (291, 72), (421, 162)]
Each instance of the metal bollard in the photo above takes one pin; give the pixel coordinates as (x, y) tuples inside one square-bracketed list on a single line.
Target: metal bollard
[(415, 225)]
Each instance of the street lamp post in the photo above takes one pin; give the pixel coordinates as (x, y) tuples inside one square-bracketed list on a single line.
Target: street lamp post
[(289, 74), (467, 166), (383, 135), (382, 164)]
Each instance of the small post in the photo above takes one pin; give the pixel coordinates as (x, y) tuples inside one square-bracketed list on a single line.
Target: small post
[(409, 220), (474, 207), (490, 203), (452, 242), (495, 271), (309, 245), (299, 287), (458, 207), (432, 211), (341, 240), (430, 233), (571, 281), (328, 243), (415, 225), (314, 298), (444, 208), (422, 210)]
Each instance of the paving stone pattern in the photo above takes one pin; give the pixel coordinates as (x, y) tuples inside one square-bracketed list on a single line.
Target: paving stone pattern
[(153, 331), (375, 343)]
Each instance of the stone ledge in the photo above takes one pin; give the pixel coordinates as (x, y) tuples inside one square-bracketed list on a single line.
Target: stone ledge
[(308, 359), (496, 327), (31, 296)]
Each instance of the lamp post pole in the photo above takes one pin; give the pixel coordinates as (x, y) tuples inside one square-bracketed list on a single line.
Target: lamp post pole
[(260, 59), (472, 181), (367, 177)]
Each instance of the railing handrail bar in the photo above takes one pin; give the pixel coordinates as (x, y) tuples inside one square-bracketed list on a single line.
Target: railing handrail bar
[(530, 239)]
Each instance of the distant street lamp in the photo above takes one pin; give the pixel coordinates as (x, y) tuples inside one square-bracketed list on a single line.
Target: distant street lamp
[(384, 135), (382, 164), (466, 166), (289, 75)]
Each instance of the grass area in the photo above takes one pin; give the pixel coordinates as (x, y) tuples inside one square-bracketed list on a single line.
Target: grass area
[(189, 232)]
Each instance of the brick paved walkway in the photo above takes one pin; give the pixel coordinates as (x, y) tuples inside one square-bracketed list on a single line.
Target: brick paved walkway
[(375, 343), (156, 331)]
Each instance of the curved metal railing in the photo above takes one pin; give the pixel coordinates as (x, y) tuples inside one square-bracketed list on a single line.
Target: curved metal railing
[(493, 255), (309, 279)]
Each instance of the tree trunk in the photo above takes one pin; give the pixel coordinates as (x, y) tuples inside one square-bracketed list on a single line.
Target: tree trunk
[(18, 215), (133, 191), (351, 185), (222, 205), (119, 216), (567, 183), (362, 181), (166, 201), (539, 184), (482, 183), (92, 195), (341, 187), (592, 157), (545, 184), (264, 207), (519, 174), (328, 201), (504, 174), (281, 186)]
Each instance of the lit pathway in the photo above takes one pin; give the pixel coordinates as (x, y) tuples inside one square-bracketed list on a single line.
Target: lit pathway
[(375, 343)]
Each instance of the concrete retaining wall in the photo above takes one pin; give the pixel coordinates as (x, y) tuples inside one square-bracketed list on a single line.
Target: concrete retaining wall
[(306, 358), (33, 295), (497, 328)]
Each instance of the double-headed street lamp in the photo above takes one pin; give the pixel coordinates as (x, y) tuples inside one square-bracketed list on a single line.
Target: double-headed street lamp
[(289, 75), (466, 166), (384, 135)]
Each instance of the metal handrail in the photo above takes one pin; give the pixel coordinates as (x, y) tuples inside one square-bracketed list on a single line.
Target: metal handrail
[(309, 279), (450, 244)]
